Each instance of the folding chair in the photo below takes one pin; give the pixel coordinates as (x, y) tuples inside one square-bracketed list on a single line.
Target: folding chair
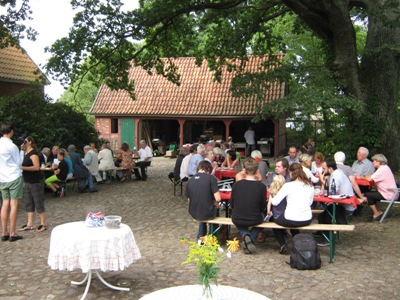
[(394, 200)]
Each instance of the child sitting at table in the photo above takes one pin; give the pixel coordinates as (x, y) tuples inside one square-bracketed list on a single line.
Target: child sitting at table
[(60, 174), (276, 184)]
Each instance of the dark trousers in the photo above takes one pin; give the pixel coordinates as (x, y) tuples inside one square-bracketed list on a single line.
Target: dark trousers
[(280, 233), (373, 197), (142, 165)]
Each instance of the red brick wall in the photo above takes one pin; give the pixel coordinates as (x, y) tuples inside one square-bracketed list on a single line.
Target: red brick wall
[(12, 89), (103, 125)]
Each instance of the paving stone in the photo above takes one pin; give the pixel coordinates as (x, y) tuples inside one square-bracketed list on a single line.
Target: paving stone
[(366, 264)]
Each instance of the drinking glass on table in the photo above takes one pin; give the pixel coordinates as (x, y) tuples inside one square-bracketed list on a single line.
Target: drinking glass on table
[(317, 191)]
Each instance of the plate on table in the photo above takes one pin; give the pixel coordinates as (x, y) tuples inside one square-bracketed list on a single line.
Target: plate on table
[(337, 197), (225, 190)]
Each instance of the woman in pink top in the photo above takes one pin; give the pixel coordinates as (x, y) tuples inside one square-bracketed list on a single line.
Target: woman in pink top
[(385, 183)]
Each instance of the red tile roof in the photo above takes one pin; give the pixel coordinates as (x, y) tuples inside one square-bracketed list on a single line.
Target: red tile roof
[(16, 66), (198, 94)]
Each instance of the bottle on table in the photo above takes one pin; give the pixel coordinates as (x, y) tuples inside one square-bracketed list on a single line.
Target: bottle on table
[(326, 187), (333, 187)]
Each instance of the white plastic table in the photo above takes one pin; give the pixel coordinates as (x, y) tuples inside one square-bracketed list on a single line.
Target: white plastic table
[(194, 292), (76, 246)]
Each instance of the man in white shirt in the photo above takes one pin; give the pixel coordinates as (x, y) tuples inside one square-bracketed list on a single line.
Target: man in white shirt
[(145, 157), (11, 182), (185, 162), (92, 163), (250, 137)]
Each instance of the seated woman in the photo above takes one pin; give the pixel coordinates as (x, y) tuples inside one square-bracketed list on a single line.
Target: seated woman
[(60, 173), (230, 161), (125, 155), (316, 165), (299, 195), (218, 156), (305, 161), (385, 183)]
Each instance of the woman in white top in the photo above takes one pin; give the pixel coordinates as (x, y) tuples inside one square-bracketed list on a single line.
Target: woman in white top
[(305, 161), (299, 195), (316, 166)]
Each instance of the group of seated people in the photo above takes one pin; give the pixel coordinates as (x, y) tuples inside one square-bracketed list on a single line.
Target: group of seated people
[(219, 155), (291, 189), (67, 164)]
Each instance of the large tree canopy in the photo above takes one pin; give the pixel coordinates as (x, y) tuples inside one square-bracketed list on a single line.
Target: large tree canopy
[(101, 42)]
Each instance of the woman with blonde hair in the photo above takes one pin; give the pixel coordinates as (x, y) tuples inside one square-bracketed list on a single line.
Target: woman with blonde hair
[(305, 161), (316, 165), (299, 195)]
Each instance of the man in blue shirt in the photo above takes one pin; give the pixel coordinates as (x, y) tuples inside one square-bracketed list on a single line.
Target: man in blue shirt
[(196, 159)]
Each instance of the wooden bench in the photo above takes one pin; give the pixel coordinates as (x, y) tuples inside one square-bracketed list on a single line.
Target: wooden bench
[(332, 228), (64, 184)]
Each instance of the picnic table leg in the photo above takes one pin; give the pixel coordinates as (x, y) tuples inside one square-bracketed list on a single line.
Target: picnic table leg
[(331, 246)]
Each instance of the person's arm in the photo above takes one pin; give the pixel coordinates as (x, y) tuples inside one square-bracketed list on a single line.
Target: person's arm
[(283, 192), (367, 177), (234, 163), (36, 164), (217, 196), (355, 186), (87, 159)]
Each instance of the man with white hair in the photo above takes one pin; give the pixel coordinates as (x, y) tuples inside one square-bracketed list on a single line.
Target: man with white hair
[(91, 162), (196, 159), (363, 166), (340, 157), (145, 157)]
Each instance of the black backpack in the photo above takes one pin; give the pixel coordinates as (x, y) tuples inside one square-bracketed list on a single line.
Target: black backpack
[(305, 254)]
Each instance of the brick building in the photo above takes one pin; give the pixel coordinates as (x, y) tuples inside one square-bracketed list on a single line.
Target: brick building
[(18, 72), (196, 110)]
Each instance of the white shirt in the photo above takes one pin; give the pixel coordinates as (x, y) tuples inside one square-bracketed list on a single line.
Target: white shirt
[(249, 136), (146, 152), (315, 169), (299, 198), (343, 186), (10, 160), (310, 175), (184, 166)]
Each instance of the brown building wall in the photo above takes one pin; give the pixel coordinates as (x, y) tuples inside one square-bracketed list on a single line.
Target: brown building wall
[(11, 88)]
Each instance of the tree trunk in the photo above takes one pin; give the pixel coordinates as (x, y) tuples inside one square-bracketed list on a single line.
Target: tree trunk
[(375, 82), (379, 76)]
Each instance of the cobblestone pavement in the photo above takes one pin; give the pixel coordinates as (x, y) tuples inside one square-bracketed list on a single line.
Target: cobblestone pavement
[(367, 264)]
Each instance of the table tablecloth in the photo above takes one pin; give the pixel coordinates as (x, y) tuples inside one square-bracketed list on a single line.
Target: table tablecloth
[(76, 246)]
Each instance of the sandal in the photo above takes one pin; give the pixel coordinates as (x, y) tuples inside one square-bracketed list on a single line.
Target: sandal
[(26, 228), (41, 228)]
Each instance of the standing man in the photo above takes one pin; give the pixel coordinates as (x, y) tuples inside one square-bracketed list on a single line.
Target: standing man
[(250, 138), (292, 157), (203, 194), (11, 182), (146, 156)]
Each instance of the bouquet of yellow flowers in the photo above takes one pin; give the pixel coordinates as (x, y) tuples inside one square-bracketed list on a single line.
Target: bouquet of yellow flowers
[(207, 256)]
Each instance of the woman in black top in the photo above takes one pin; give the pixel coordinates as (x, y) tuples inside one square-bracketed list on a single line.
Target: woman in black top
[(34, 185), (60, 174)]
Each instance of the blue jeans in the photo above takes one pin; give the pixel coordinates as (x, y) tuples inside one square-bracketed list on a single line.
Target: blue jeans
[(253, 232), (82, 182)]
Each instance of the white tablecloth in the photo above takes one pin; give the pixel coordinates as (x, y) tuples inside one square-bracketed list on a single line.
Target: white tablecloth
[(76, 246), (194, 292)]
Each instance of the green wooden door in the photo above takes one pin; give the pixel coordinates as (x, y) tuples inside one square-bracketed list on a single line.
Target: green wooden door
[(128, 131)]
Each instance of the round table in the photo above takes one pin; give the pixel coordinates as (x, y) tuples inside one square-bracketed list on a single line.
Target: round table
[(77, 246), (220, 292)]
